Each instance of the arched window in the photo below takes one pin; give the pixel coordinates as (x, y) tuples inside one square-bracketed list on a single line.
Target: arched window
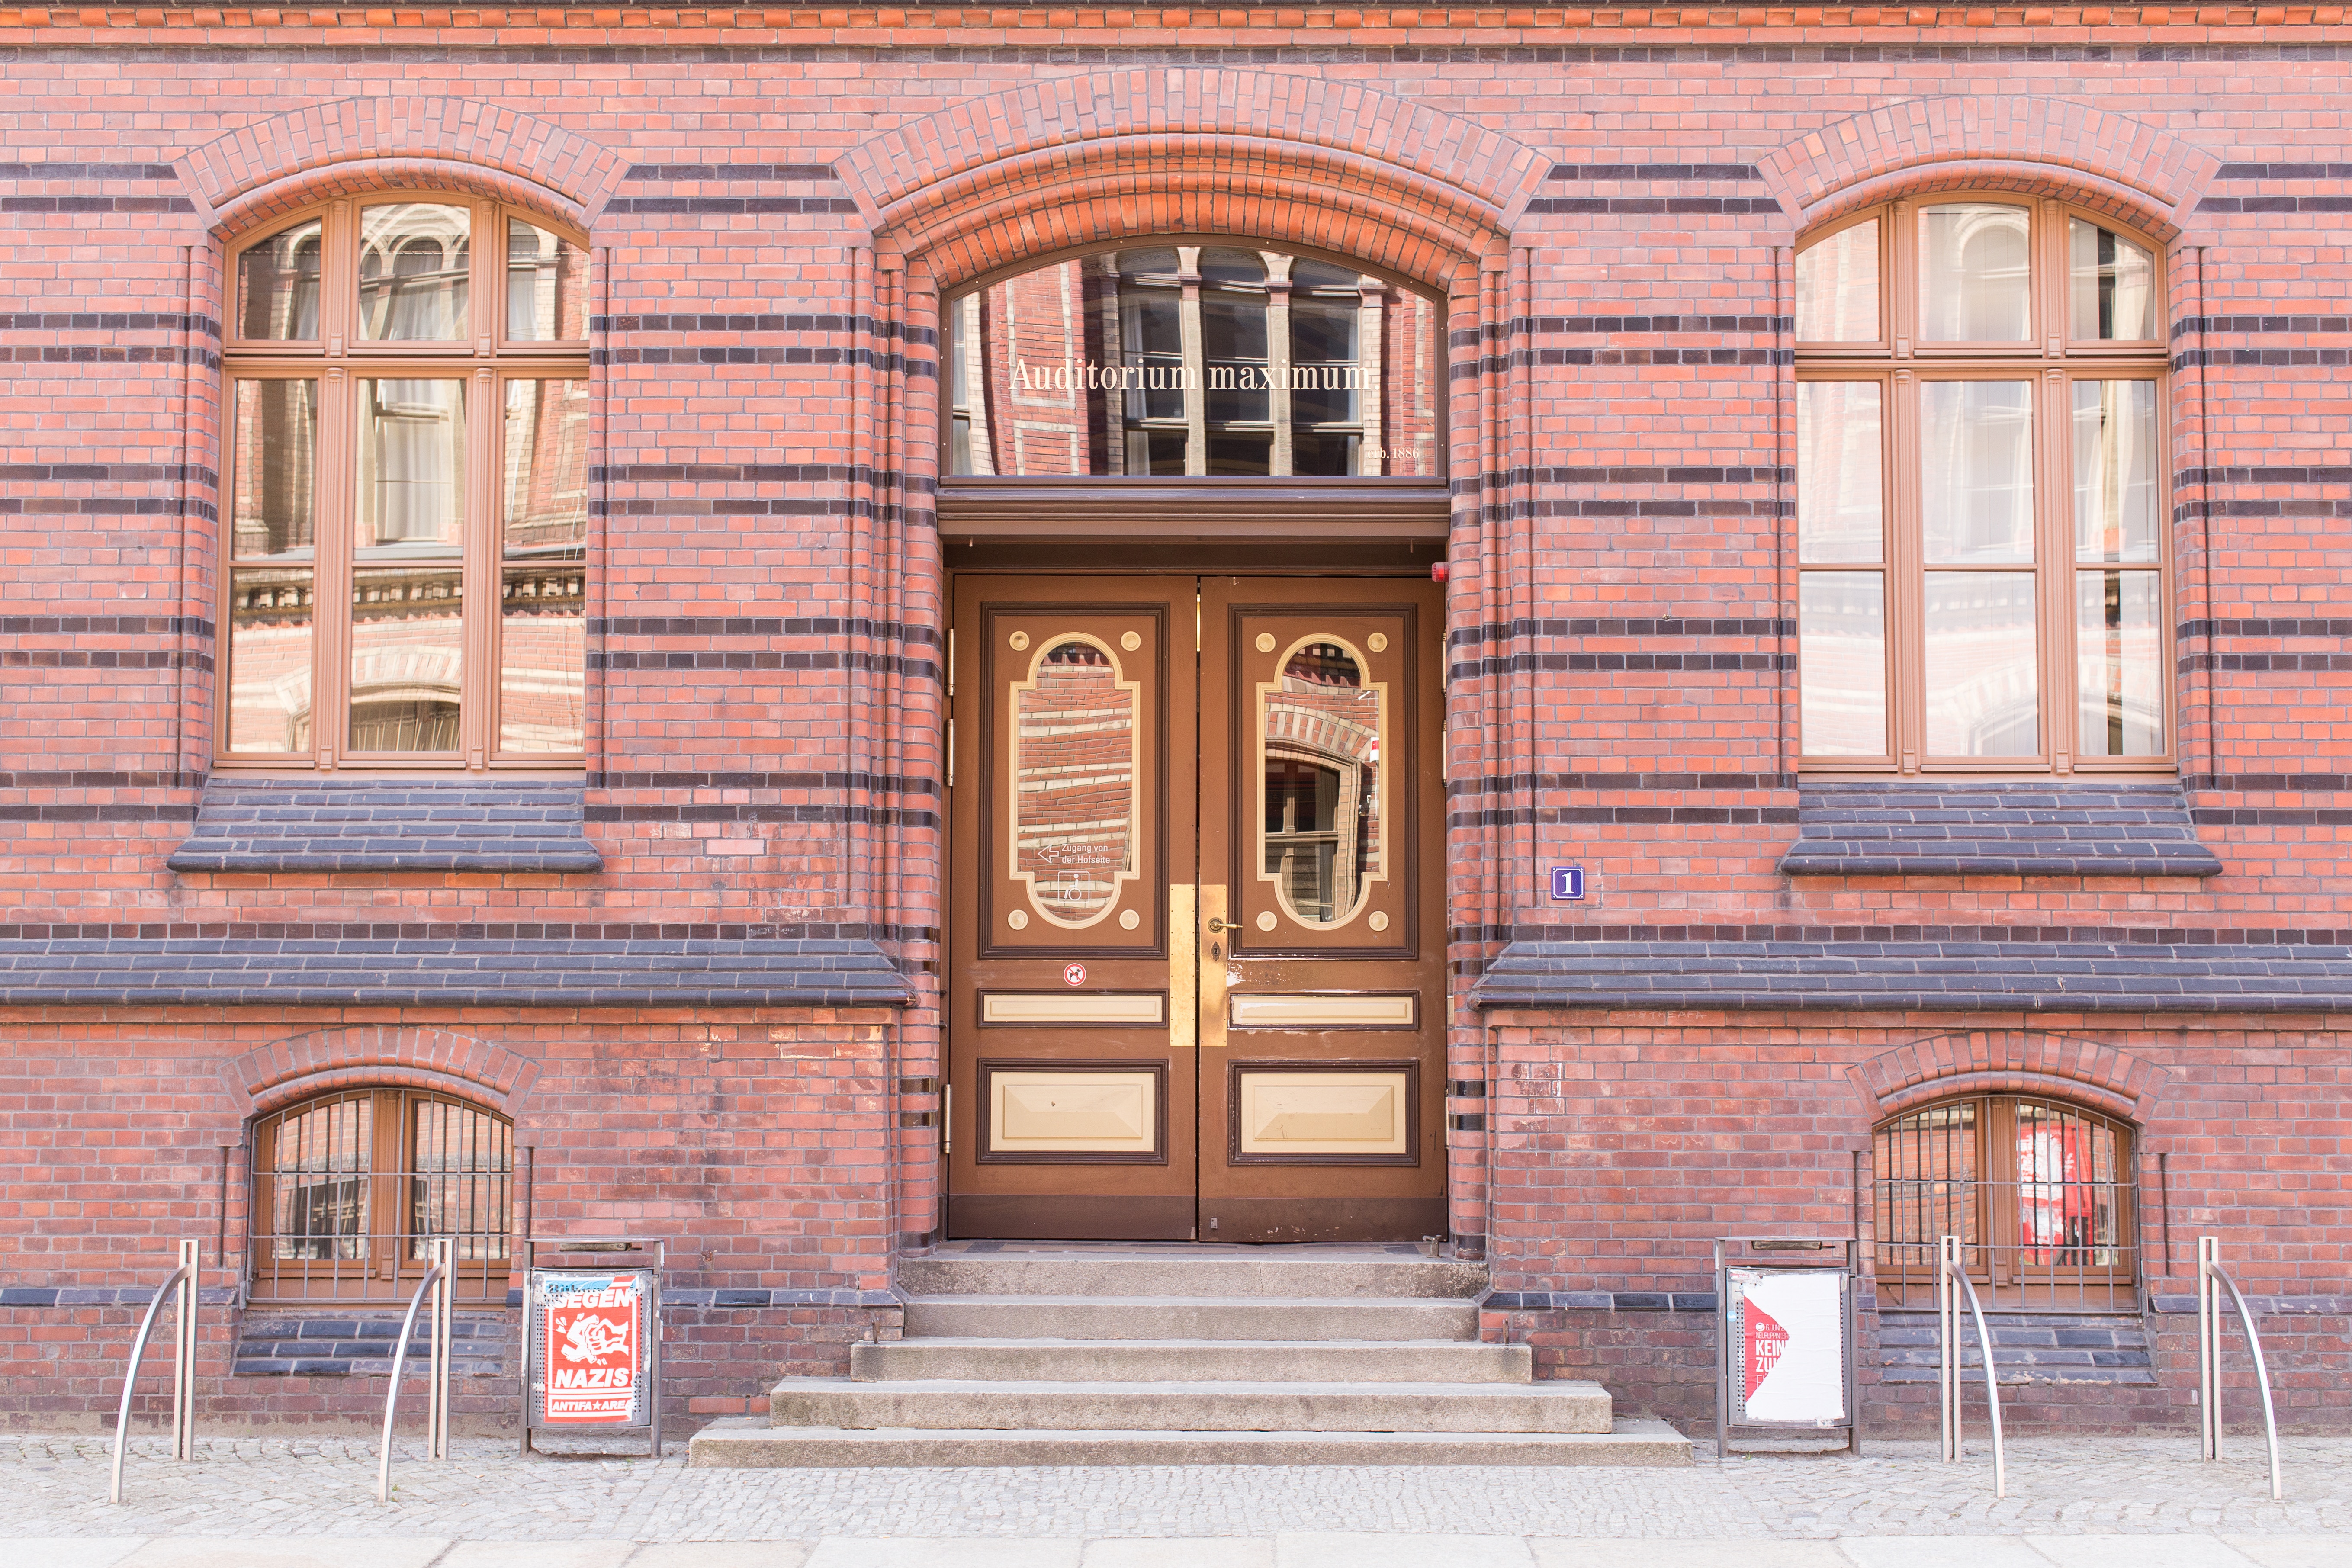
[(2041, 1194), (1203, 360), (349, 1188), (407, 482), (1982, 531)]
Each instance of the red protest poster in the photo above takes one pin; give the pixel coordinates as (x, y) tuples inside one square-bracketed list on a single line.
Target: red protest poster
[(594, 1352), (1766, 1341)]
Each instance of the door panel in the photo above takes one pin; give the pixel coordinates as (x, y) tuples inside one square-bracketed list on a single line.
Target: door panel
[(1195, 948), (1072, 1116), (1318, 709)]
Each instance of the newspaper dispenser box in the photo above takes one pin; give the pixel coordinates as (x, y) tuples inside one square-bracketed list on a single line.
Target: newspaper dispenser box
[(591, 1336), (1785, 1341)]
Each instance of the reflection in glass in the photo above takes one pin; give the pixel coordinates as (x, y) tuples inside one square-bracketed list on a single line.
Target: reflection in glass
[(1976, 471), (276, 442), (407, 656), (272, 593), (461, 1171), (1982, 679), (1837, 287), (1193, 361), (2068, 1188), (277, 287), (1074, 764), (1840, 490), (1975, 278), (2115, 492), (543, 644), (546, 285), (411, 464), (2113, 282), (1842, 650), (318, 1181), (2119, 674), (1323, 814), (270, 615), (413, 269)]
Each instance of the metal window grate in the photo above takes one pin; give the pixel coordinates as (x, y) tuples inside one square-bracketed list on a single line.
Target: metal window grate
[(2039, 1195), (351, 1190)]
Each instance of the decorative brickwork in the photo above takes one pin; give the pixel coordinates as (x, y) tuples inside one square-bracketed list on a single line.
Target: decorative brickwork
[(2013, 1062), (270, 1076)]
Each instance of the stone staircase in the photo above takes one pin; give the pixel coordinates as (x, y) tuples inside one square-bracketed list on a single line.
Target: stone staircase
[(1058, 1354)]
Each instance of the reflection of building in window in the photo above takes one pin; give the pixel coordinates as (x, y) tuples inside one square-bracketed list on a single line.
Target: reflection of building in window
[(1073, 783), (350, 1188), (1322, 792), (1192, 360)]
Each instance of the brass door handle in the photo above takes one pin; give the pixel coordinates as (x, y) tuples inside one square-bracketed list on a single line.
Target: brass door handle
[(1217, 925)]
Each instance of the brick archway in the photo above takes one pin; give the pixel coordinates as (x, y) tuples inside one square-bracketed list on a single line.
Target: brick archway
[(307, 154), (1062, 166), (2139, 172), (385, 1056), (2009, 1061)]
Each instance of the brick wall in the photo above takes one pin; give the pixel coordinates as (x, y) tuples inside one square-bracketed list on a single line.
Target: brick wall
[(772, 198)]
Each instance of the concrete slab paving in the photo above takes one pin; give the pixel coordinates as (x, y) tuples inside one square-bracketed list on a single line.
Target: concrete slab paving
[(1366, 1550), (2293, 1551), (2136, 1552), (1941, 1551), (724, 1554), (280, 1551), (539, 1554), (76, 1551), (916, 1551), (1217, 1552), (1643, 1551)]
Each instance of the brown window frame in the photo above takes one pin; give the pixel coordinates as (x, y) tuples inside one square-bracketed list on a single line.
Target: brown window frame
[(486, 362), (2052, 360), (390, 1260), (2066, 1276)]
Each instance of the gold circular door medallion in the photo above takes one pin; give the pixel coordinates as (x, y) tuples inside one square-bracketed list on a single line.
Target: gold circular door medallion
[(1130, 641), (1129, 920), (1265, 642), (1266, 919), (1018, 919), (1380, 921), (1376, 641), (1019, 641)]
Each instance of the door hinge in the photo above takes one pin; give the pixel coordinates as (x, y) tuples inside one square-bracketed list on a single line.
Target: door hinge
[(950, 661)]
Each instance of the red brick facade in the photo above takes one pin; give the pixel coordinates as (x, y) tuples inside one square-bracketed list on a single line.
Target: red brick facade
[(1608, 201)]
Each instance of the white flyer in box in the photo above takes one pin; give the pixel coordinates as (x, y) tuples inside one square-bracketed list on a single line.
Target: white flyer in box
[(1789, 1345)]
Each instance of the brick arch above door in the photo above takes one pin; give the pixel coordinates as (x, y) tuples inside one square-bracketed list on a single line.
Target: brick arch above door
[(1060, 165)]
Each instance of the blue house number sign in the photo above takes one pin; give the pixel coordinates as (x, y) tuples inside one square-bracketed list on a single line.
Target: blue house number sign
[(1567, 884)]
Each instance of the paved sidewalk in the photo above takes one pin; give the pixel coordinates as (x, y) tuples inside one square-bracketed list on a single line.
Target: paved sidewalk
[(274, 1502)]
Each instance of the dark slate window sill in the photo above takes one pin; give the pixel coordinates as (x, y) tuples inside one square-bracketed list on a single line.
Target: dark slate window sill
[(280, 823), (2071, 828), (2005, 976)]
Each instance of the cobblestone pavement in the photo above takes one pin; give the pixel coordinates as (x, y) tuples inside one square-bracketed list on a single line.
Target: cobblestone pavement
[(280, 1487)]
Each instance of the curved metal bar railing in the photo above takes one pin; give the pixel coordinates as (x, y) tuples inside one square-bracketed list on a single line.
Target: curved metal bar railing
[(436, 1283), (2209, 1334), (1948, 1358), (183, 1280)]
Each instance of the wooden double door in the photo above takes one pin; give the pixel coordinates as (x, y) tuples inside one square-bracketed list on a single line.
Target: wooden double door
[(1196, 943)]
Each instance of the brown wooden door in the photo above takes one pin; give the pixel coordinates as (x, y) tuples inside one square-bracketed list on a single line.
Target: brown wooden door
[(1196, 981)]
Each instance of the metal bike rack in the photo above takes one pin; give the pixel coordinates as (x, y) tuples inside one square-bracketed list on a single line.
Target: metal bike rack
[(1948, 1269), (184, 1281), (436, 1381), (2209, 1275)]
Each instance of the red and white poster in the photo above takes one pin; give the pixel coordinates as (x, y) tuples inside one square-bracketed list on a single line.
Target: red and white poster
[(1788, 1329), (592, 1362)]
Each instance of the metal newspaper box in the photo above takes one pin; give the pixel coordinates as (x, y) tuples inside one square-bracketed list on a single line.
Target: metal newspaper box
[(1785, 1340), (592, 1337)]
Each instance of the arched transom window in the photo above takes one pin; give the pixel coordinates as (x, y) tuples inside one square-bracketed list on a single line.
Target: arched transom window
[(407, 479), (1981, 521), (2040, 1194), (350, 1188)]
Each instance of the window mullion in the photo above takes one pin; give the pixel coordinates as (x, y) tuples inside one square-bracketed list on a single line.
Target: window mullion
[(2055, 594), (1906, 610), (479, 568)]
